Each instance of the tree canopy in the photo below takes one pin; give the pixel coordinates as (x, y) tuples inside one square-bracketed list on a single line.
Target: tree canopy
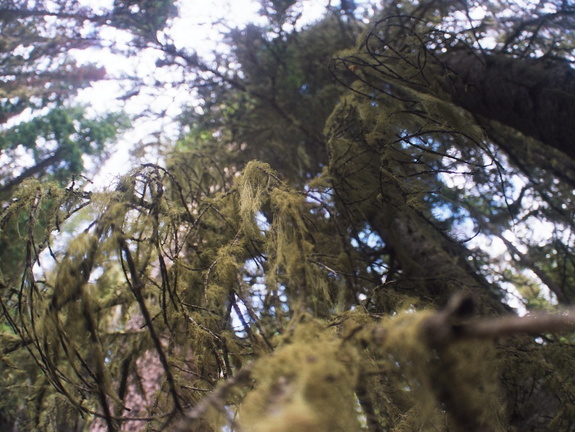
[(343, 236)]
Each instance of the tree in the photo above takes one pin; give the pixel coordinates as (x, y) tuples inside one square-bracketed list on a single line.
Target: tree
[(38, 69), (333, 283), (46, 138)]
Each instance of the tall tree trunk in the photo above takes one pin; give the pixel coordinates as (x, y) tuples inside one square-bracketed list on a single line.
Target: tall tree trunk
[(433, 267), (536, 97)]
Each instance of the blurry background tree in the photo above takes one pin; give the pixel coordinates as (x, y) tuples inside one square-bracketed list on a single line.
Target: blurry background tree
[(44, 134), (333, 186)]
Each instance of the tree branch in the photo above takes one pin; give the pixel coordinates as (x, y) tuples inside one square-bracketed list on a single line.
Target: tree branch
[(445, 327)]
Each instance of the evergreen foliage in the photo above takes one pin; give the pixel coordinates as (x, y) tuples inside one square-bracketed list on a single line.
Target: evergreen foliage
[(309, 256)]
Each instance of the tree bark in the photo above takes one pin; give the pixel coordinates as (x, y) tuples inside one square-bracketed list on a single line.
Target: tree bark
[(536, 97)]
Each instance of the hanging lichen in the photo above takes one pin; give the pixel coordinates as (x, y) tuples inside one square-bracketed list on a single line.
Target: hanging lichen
[(254, 186), (306, 385)]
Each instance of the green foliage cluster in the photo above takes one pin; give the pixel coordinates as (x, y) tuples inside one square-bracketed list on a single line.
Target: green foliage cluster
[(142, 18), (58, 143)]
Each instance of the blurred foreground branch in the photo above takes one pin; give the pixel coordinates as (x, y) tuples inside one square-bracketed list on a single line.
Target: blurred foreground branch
[(451, 323)]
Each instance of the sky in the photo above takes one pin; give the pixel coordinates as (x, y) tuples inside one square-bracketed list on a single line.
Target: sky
[(195, 29)]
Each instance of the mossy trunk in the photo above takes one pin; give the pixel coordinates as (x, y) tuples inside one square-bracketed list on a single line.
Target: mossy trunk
[(426, 267)]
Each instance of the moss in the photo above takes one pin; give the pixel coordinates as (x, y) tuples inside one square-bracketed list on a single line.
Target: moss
[(254, 185), (307, 384), (433, 385)]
